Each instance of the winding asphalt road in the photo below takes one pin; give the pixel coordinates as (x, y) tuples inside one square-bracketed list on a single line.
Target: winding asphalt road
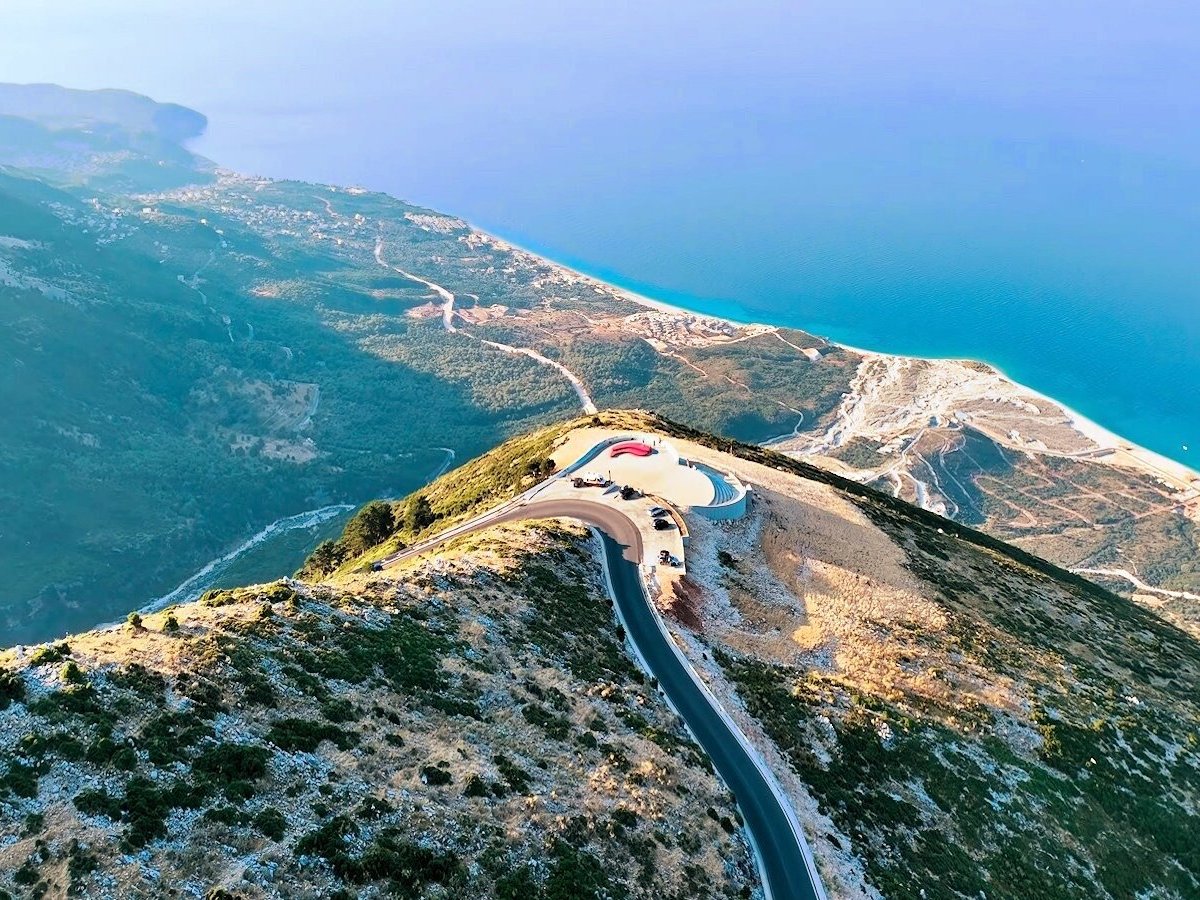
[(781, 855)]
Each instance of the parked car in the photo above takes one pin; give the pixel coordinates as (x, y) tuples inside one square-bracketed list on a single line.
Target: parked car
[(657, 511), (665, 558), (662, 524), (590, 479), (628, 493)]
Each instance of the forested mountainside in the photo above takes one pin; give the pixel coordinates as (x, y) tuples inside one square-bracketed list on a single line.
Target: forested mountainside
[(194, 355)]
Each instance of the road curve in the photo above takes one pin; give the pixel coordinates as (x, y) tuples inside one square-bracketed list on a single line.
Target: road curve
[(785, 870)]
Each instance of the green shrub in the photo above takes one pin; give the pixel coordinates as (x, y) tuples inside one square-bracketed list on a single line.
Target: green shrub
[(329, 842), (104, 751), (280, 592), (12, 688), (51, 654), (171, 624), (98, 803), (372, 808), (292, 734), (516, 777), (19, 779), (227, 763), (27, 875), (575, 873), (339, 710), (519, 884), (476, 787), (140, 680), (407, 866), (257, 689), (33, 825), (40, 744), (216, 597), (169, 736), (72, 674), (433, 776), (227, 815), (555, 726), (207, 696), (134, 619), (627, 818), (144, 807), (271, 823)]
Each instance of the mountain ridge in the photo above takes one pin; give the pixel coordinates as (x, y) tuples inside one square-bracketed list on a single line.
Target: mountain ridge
[(894, 670)]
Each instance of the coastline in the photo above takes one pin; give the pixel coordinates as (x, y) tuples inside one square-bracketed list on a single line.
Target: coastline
[(1110, 447)]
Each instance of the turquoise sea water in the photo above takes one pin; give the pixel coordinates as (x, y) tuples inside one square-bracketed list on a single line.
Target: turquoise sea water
[(1015, 181)]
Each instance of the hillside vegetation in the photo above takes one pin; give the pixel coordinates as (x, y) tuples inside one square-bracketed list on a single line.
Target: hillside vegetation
[(470, 727), (967, 719), (951, 716)]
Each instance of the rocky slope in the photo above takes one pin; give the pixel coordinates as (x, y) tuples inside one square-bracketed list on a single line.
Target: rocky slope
[(953, 717), (950, 716), (468, 728)]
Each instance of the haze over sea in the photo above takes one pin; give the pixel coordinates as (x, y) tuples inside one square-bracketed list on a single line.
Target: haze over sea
[(1013, 181)]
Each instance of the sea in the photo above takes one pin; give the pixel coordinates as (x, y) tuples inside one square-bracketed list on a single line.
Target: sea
[(1012, 181)]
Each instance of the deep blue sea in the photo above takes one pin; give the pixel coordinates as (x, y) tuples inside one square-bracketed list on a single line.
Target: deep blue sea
[(1010, 180)]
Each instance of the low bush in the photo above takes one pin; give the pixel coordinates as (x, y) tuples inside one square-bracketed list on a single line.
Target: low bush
[(433, 776), (227, 815), (271, 823), (217, 598), (170, 736), (72, 674), (476, 787), (305, 735), (12, 688), (104, 751), (52, 654), (516, 777), (19, 779)]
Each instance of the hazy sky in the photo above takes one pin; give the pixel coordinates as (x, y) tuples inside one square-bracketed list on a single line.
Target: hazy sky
[(458, 71)]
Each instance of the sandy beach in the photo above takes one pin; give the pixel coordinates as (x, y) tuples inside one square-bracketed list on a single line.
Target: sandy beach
[(1107, 447)]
